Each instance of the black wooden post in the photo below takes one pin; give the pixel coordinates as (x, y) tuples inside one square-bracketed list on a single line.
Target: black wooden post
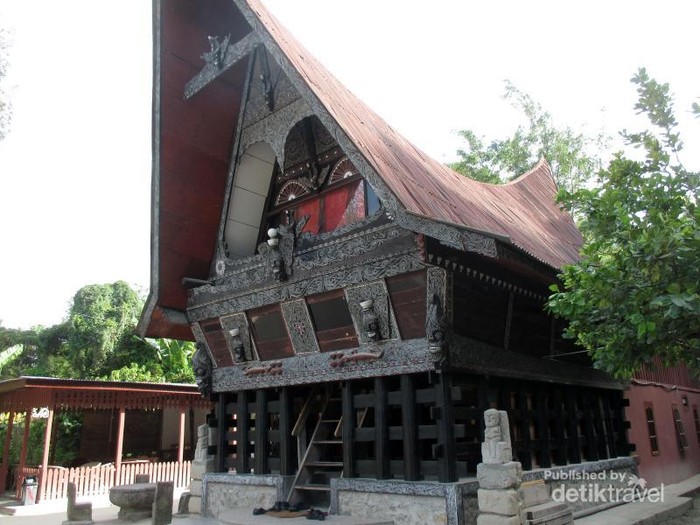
[(572, 416), (410, 429), (348, 432), (542, 421), (591, 445), (381, 430), (261, 419), (286, 446), (447, 461), (526, 454), (242, 430), (559, 426), (221, 433)]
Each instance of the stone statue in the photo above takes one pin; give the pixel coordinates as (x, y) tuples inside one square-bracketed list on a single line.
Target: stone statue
[(200, 453), (496, 447), (201, 363)]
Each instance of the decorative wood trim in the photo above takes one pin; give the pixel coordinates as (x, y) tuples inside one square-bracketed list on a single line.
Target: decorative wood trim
[(230, 55), (397, 357)]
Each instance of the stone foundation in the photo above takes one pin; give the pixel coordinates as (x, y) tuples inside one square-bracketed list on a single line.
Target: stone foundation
[(405, 502), (221, 492)]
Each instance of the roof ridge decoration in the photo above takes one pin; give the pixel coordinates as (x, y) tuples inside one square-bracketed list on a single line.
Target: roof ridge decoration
[(416, 189)]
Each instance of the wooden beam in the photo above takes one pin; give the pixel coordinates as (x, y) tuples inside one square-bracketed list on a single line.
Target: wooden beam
[(6, 452), (286, 445), (45, 457), (381, 430), (181, 437), (348, 432), (242, 431), (261, 417), (410, 434), (120, 445), (231, 56)]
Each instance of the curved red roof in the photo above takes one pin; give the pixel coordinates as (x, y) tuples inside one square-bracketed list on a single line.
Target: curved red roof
[(524, 211)]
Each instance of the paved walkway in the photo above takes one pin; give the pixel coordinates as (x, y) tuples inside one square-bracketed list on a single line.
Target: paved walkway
[(678, 500)]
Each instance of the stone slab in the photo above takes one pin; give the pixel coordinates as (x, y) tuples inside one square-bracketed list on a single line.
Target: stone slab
[(503, 502), (163, 503), (546, 509), (502, 476)]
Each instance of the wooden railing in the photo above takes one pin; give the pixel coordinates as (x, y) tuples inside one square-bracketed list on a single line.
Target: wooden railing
[(96, 481)]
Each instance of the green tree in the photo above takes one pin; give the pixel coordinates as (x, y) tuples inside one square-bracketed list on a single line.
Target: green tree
[(505, 159), (175, 359), (634, 293), (101, 336)]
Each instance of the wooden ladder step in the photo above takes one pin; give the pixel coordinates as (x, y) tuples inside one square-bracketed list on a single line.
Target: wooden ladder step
[(328, 442), (324, 464)]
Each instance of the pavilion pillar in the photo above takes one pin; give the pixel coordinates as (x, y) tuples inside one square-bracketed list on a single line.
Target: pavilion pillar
[(45, 458), (181, 437), (120, 445), (23, 453), (6, 453)]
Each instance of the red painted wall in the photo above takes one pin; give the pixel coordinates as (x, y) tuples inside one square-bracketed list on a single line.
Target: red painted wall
[(669, 465)]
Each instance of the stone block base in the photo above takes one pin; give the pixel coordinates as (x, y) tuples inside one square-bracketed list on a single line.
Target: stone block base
[(499, 477), (502, 502)]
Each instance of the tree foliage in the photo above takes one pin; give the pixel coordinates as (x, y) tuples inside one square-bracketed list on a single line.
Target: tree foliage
[(505, 159), (635, 292), (98, 341)]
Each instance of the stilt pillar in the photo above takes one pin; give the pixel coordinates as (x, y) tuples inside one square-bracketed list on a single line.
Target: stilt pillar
[(120, 446), (181, 437), (45, 458), (6, 453)]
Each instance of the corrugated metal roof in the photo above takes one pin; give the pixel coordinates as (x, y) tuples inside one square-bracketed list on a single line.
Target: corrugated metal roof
[(524, 211)]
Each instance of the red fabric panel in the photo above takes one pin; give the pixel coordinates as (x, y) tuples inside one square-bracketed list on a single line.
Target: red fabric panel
[(344, 205), (313, 209)]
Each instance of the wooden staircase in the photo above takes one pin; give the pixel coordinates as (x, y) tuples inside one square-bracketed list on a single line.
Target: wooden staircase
[(322, 457)]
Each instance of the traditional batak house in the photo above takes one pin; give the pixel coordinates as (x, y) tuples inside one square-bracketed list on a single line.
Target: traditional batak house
[(357, 305)]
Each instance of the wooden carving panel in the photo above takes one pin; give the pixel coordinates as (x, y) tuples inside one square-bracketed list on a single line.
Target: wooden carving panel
[(216, 341)]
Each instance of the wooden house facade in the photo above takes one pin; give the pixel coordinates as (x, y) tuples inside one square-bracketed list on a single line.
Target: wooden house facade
[(356, 304)]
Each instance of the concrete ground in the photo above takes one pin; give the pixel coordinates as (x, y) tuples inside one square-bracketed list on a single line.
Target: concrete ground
[(681, 506), (677, 508)]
